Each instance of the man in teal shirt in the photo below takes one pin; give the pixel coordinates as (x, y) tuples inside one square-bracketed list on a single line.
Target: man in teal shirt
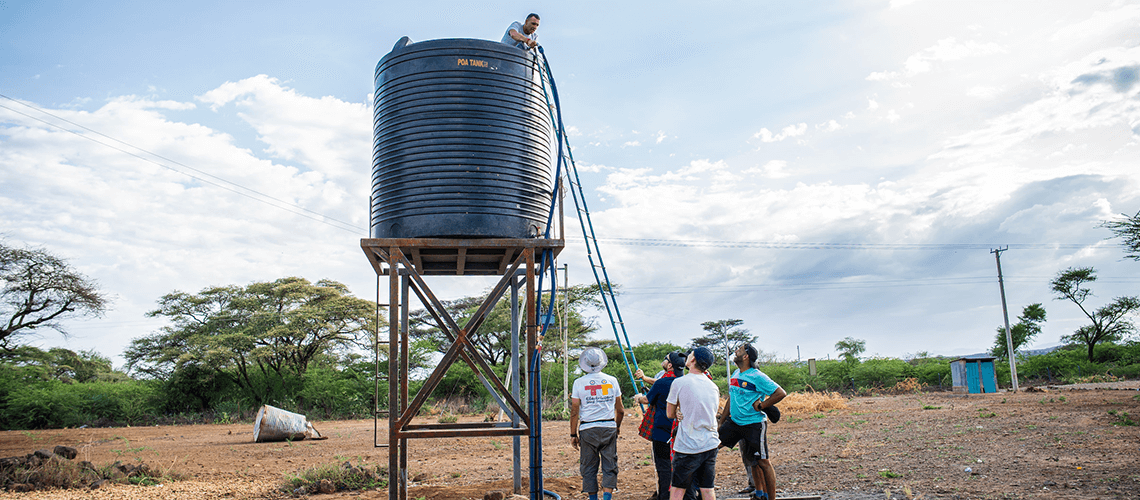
[(743, 420)]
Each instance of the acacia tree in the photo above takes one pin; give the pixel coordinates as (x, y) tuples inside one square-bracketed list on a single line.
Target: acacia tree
[(1127, 229), (851, 348), (723, 334), (493, 340), (38, 291), (63, 364), (259, 337), (1109, 322), (1027, 327)]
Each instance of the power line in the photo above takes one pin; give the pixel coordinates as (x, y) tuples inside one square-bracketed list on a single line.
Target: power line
[(842, 285), (221, 182), (834, 246)]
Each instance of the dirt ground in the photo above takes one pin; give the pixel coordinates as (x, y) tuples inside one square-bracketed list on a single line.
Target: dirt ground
[(1055, 444)]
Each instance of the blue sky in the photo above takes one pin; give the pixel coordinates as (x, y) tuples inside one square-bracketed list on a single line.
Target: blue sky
[(867, 153)]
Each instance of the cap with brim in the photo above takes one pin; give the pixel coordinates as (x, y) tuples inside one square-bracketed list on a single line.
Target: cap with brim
[(703, 357), (677, 360)]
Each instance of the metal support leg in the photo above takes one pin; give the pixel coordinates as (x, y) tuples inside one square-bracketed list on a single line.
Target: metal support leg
[(394, 444), (516, 445), (404, 356)]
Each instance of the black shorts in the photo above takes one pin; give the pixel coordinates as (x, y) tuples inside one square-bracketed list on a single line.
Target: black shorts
[(696, 469), (753, 439)]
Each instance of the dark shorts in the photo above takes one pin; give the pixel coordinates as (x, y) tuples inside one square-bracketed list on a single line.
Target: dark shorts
[(753, 439), (696, 469)]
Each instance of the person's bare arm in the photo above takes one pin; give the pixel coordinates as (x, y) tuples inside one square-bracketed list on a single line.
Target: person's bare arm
[(670, 410), (772, 399), (619, 412), (575, 406), (644, 378)]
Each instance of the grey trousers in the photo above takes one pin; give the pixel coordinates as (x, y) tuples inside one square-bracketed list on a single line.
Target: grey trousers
[(598, 444)]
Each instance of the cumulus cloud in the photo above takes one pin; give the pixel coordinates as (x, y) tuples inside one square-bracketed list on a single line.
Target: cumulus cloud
[(1096, 92), (324, 134), (766, 135), (829, 126), (984, 92), (774, 169), (947, 49), (145, 223)]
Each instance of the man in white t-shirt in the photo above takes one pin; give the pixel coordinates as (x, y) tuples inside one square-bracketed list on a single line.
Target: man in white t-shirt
[(695, 398), (596, 413)]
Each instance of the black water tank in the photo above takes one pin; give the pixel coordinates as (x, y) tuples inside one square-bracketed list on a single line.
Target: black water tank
[(463, 144)]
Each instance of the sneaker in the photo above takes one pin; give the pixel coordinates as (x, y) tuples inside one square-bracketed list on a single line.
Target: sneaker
[(759, 495), (746, 491)]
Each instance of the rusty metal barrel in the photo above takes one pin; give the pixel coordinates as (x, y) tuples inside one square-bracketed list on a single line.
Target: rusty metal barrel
[(463, 142)]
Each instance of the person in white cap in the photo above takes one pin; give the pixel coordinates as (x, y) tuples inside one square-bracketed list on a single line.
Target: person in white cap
[(596, 413)]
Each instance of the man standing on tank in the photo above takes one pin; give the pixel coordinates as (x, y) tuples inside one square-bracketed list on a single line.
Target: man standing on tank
[(743, 420), (693, 401), (596, 413), (523, 35)]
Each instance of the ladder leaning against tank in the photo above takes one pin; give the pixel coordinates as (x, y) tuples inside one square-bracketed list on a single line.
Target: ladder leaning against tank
[(593, 251)]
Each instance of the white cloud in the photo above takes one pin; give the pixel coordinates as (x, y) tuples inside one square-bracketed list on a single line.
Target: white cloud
[(984, 92), (631, 144), (765, 135), (898, 4), (660, 136), (325, 134), (947, 49), (829, 126), (1096, 92), (143, 230), (872, 105), (1100, 24), (774, 169)]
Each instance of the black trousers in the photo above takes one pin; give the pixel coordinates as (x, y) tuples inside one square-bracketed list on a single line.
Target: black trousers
[(664, 465)]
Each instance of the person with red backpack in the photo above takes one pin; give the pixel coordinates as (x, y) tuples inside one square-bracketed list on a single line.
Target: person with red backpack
[(656, 426)]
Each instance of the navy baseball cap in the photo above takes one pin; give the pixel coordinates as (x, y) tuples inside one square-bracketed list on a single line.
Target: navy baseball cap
[(703, 357), (677, 359)]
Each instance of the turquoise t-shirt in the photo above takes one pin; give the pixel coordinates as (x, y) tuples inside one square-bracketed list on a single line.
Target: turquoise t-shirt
[(745, 388)]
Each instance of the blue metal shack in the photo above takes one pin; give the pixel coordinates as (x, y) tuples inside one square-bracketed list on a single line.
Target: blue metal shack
[(973, 375)]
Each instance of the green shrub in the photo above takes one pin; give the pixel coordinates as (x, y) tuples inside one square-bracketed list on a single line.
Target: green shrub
[(791, 377), (52, 403), (881, 372)]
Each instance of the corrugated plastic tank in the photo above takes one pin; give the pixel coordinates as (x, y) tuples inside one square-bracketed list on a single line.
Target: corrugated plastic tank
[(463, 144)]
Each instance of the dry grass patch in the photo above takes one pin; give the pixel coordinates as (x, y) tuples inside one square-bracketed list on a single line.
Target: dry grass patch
[(57, 472), (812, 402)]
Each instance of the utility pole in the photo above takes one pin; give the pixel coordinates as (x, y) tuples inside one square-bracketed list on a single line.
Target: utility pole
[(566, 336), (727, 357), (1005, 313)]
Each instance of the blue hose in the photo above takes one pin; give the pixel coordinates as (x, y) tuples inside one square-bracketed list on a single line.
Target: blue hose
[(547, 259)]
